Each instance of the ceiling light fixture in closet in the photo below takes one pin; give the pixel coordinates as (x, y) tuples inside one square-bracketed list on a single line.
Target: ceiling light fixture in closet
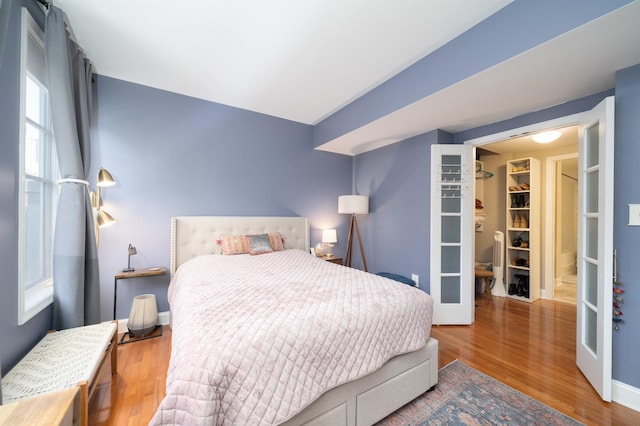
[(546, 137)]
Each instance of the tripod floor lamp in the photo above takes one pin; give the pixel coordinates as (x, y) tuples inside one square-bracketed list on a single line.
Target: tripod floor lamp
[(353, 205)]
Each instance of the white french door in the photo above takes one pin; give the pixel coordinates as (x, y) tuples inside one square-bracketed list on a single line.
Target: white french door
[(452, 280), (595, 247), (452, 205)]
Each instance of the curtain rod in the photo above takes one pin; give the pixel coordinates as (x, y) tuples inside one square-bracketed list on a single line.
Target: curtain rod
[(45, 3)]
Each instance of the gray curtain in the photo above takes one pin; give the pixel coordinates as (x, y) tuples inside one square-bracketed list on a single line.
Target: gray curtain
[(75, 258)]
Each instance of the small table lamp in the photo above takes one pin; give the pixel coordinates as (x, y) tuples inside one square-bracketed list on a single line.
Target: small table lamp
[(329, 238), (132, 251)]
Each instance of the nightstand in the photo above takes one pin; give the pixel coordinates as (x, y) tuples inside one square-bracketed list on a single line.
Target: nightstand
[(332, 259), (138, 273)]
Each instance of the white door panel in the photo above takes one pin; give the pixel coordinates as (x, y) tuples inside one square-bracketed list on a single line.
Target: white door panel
[(595, 247), (452, 205)]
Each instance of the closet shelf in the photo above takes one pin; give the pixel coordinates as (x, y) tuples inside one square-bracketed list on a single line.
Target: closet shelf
[(523, 278)]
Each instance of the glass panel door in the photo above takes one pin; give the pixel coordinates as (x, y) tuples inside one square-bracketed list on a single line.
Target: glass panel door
[(595, 245), (452, 282)]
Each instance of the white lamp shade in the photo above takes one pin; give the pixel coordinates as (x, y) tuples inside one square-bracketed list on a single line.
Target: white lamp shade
[(144, 315), (329, 236), (353, 204)]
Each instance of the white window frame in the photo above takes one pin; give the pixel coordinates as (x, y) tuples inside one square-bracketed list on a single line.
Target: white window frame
[(34, 297)]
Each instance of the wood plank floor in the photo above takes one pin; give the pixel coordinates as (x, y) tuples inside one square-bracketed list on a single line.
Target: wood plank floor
[(530, 347)]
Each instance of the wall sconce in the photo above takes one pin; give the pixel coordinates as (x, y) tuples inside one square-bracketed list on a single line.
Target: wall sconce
[(353, 205), (105, 179), (329, 238)]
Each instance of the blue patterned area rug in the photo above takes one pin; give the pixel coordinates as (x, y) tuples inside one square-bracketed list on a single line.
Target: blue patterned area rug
[(465, 396)]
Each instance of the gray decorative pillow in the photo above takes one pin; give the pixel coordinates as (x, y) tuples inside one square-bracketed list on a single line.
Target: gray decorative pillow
[(259, 244)]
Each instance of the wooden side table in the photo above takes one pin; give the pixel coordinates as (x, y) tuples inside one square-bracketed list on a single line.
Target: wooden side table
[(138, 273), (332, 259)]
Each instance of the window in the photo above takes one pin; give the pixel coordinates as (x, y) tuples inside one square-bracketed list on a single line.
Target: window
[(38, 175)]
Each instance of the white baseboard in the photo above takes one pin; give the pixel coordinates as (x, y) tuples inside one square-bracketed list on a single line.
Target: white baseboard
[(164, 318), (625, 394), (546, 294)]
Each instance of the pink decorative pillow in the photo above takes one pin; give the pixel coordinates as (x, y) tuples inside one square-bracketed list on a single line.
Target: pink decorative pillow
[(234, 244), (276, 240), (259, 244)]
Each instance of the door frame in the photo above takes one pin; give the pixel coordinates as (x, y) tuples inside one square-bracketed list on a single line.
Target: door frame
[(566, 121), (550, 228)]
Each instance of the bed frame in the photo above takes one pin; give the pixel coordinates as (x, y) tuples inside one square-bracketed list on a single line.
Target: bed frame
[(193, 236), (361, 402)]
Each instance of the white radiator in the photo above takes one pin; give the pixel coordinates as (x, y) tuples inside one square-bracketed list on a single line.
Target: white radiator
[(498, 288)]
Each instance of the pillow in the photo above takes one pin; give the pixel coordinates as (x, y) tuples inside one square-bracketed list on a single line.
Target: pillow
[(234, 244), (259, 244), (276, 240)]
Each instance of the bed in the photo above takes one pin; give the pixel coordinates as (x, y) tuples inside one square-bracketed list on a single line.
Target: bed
[(314, 358)]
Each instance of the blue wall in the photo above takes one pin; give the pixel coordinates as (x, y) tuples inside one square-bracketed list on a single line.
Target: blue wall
[(626, 239), (173, 155), (397, 179)]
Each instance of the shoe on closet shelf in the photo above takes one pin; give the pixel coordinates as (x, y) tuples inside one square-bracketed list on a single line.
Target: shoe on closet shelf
[(517, 221), (515, 201), (522, 201), (522, 289), (524, 186), (519, 261)]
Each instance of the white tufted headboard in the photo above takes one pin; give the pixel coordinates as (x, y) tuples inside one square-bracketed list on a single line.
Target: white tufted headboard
[(193, 236)]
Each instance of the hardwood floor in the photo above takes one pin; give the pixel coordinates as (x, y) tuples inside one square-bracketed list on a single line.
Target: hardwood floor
[(530, 347), (142, 373)]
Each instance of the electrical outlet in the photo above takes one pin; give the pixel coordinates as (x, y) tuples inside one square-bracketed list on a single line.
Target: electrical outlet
[(416, 279)]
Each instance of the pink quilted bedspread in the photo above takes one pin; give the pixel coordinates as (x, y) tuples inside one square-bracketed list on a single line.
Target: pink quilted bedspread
[(258, 338)]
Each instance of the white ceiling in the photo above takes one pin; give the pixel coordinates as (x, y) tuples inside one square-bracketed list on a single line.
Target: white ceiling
[(295, 59), (303, 60)]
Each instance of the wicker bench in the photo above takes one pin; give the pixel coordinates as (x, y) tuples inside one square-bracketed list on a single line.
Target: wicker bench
[(65, 359)]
